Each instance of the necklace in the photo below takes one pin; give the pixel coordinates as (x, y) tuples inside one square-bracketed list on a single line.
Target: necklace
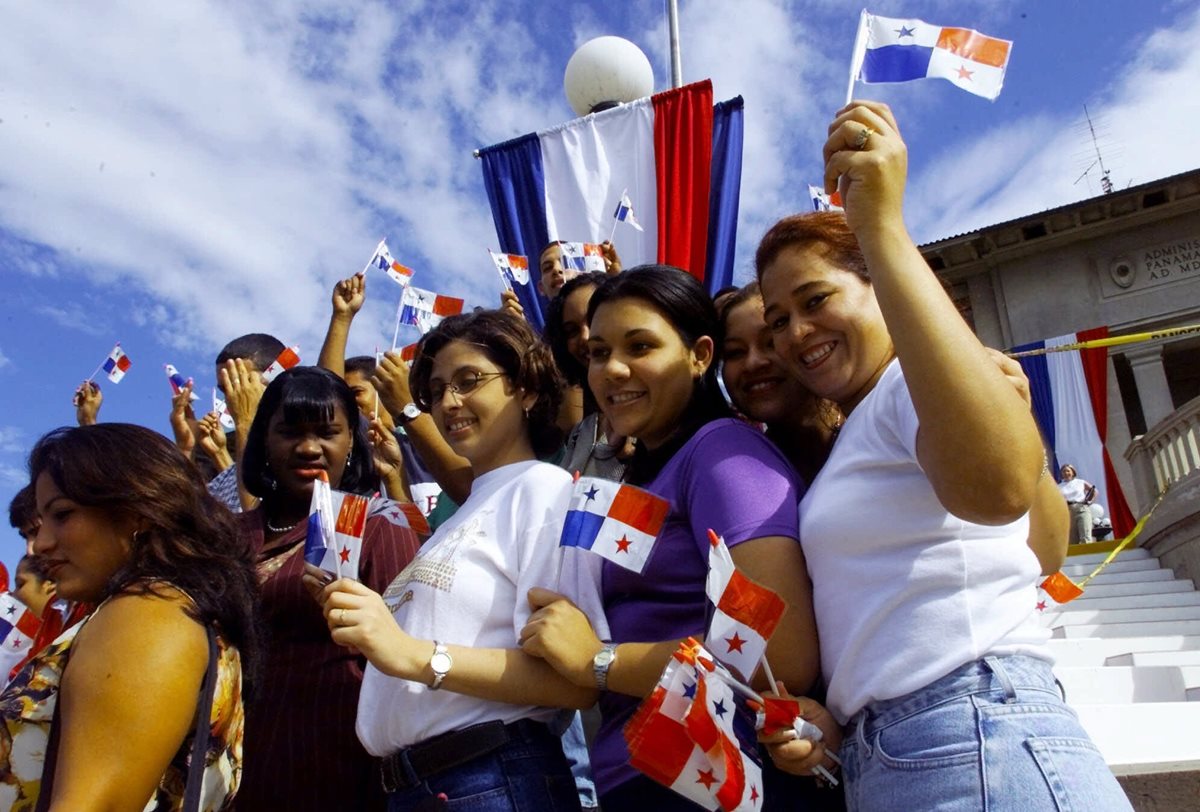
[(275, 529)]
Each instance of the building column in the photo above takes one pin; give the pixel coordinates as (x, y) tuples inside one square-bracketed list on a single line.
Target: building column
[(1151, 379)]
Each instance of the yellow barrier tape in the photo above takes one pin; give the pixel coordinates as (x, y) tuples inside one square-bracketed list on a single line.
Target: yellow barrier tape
[(1111, 341)]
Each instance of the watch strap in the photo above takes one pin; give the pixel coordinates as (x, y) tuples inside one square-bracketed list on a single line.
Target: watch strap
[(601, 663)]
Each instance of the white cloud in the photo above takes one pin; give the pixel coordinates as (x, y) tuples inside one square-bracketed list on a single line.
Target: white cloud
[(4, 360), (11, 440), (13, 476), (1032, 164)]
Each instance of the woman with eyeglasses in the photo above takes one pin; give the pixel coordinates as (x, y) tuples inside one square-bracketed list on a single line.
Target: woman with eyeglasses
[(450, 704)]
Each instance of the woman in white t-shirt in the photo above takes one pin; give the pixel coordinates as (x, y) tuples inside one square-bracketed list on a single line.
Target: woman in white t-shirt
[(454, 709), (914, 531), (1079, 494)]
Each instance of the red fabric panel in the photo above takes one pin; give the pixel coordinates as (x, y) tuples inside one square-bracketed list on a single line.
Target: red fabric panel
[(683, 159), (1095, 370)]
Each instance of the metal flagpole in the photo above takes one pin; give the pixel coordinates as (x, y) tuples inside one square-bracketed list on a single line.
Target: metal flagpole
[(673, 28)]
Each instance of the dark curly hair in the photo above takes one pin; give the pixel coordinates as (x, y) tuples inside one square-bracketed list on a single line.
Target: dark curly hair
[(190, 540), (510, 344), (308, 394), (574, 372), (822, 228)]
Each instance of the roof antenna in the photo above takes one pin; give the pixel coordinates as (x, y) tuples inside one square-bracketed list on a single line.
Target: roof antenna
[(1105, 181)]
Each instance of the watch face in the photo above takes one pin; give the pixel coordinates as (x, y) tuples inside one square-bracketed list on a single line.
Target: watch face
[(604, 657), (440, 662), (411, 411)]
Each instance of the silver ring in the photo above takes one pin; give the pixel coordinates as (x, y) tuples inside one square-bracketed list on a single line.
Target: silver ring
[(863, 137)]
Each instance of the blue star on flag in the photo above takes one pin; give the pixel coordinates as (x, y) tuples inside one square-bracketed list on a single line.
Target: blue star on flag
[(591, 493), (719, 708), (689, 691), (905, 32)]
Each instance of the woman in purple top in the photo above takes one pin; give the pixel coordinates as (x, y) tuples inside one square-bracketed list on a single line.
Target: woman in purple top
[(652, 335)]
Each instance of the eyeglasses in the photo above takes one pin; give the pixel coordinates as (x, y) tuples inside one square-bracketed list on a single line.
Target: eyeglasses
[(462, 384)]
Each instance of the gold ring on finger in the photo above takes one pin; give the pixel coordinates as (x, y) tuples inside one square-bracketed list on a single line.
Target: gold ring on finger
[(341, 617), (865, 135)]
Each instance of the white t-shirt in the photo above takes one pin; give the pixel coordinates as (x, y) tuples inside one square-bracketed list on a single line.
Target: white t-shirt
[(904, 591), (1075, 491), (468, 587)]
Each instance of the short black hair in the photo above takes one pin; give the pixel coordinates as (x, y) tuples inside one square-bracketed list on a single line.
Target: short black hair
[(22, 510), (308, 394), (35, 565), (362, 364), (574, 372), (258, 348)]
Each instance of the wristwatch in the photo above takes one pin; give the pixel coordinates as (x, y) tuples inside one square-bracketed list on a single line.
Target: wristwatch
[(441, 662), (409, 413), (603, 660)]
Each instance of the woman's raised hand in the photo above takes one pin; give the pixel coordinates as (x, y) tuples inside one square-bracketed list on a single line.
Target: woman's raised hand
[(867, 162)]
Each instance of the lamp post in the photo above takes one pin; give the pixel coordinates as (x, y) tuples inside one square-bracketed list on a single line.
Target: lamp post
[(605, 72)]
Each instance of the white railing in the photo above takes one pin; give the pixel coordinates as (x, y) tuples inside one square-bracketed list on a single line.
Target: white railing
[(1166, 453)]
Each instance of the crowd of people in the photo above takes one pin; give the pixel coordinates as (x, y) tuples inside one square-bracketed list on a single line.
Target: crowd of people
[(861, 453)]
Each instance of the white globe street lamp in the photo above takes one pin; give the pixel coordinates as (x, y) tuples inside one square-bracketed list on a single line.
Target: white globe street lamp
[(605, 72)]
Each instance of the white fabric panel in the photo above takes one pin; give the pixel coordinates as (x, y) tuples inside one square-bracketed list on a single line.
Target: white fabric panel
[(587, 163), (883, 31), (1076, 440)]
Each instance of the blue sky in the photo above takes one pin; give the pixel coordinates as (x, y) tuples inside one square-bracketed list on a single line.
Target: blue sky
[(177, 174)]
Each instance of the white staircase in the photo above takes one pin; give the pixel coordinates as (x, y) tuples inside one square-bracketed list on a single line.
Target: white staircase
[(1128, 656)]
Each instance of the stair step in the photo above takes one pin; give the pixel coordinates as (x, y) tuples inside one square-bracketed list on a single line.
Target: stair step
[(1145, 600), (1116, 616), (1119, 565), (1151, 628), (1097, 650), (1145, 733), (1115, 684), (1092, 559), (1133, 576), (1153, 658), (1098, 589)]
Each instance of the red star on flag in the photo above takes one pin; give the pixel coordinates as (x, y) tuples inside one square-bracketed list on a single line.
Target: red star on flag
[(753, 794), (735, 642), (623, 544), (345, 555), (963, 73), (1041, 606), (707, 778)]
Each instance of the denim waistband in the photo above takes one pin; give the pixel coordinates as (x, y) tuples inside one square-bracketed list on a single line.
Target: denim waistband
[(999, 674)]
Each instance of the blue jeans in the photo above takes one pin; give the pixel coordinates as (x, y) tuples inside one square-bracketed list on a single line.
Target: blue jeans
[(529, 774), (993, 735), (575, 748)]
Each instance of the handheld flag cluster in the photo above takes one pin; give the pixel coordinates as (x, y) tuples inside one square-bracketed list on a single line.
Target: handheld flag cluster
[(616, 521), (694, 735), (336, 523), (18, 627)]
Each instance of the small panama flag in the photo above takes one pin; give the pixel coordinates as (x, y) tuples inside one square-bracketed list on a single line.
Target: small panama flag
[(117, 364), (745, 614), (222, 411), (901, 50), (336, 522), (616, 521), (688, 735), (400, 274), (824, 202), (582, 256), (177, 381), (18, 627), (624, 212), (401, 514), (287, 359), (513, 269), (425, 309)]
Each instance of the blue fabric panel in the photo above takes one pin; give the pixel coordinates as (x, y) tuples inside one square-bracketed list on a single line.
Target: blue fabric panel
[(1043, 398), (513, 178), (724, 192)]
